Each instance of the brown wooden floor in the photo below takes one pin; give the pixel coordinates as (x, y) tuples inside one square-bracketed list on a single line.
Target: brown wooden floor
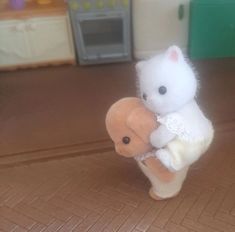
[(60, 111)]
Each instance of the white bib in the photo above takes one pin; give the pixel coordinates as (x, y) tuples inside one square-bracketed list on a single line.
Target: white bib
[(175, 123)]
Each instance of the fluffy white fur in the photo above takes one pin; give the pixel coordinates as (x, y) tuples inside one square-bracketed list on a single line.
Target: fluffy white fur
[(185, 133)]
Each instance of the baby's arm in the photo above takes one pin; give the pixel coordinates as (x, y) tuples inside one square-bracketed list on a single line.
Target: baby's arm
[(161, 137)]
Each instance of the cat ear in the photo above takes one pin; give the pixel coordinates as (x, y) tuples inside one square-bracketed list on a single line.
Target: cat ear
[(174, 54), (139, 66)]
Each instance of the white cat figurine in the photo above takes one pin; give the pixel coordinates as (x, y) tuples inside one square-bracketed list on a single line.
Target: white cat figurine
[(168, 87)]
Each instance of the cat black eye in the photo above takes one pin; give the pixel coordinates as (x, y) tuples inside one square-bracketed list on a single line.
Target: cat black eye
[(126, 140), (162, 90), (145, 96)]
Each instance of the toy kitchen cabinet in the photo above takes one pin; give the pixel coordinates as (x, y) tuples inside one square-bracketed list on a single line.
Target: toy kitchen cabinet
[(35, 36), (158, 24)]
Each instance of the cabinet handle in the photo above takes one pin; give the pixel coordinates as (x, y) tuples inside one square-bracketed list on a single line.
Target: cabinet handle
[(181, 12), (31, 26), (20, 27)]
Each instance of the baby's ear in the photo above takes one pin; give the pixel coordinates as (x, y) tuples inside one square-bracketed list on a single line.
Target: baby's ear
[(139, 66), (142, 122), (174, 54)]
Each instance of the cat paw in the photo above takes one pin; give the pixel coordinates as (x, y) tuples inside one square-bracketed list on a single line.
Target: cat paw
[(155, 140), (166, 159)]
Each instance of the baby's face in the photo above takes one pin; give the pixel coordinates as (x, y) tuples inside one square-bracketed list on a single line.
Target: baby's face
[(128, 144)]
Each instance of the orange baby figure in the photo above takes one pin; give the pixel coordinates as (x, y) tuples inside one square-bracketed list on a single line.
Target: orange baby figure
[(129, 125)]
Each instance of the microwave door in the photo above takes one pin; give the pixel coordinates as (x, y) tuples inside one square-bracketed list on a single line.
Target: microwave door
[(102, 36)]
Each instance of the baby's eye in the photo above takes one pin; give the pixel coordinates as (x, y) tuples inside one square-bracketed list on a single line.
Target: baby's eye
[(162, 90), (126, 140), (144, 96)]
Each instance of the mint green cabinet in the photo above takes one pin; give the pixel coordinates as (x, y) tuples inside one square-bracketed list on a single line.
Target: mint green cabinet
[(212, 29)]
